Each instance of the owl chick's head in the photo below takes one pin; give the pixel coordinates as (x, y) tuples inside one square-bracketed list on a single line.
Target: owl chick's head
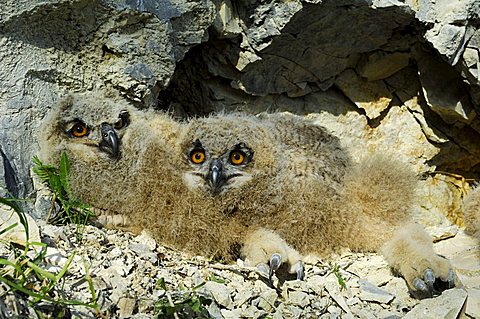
[(89, 125), (227, 152)]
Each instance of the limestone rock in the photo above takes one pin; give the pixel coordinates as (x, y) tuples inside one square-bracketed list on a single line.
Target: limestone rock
[(444, 91), (126, 306), (221, 293), (18, 234), (462, 251), (398, 133), (267, 299), (442, 232), (370, 292), (473, 303), (332, 286), (448, 306), (298, 298), (373, 97), (381, 65)]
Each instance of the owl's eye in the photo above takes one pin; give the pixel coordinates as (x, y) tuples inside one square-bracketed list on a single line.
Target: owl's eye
[(197, 156), (237, 157), (79, 129), (123, 121)]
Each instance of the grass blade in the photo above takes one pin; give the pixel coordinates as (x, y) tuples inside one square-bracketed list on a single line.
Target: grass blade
[(21, 215), (64, 170)]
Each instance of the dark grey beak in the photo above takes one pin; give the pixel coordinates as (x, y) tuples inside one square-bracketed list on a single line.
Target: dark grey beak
[(110, 143), (216, 176)]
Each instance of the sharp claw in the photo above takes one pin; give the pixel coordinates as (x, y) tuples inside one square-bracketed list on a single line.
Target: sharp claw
[(422, 287), (263, 270), (451, 279), (429, 278), (300, 270), (419, 284), (275, 262)]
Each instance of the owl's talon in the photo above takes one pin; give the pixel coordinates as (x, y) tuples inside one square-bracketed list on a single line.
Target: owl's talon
[(429, 279), (299, 270), (264, 270), (431, 285), (275, 262), (450, 279), (422, 290)]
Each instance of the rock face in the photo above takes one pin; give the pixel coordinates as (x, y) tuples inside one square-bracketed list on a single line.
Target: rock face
[(382, 75)]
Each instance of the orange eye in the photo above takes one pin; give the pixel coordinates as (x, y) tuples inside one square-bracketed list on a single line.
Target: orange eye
[(197, 156), (237, 157), (79, 130)]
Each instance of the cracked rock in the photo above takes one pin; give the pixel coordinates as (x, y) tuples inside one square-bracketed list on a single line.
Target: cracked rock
[(370, 292), (448, 305), (221, 293)]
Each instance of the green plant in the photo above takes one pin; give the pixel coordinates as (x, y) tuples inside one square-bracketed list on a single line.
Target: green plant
[(23, 274), (72, 210), (335, 269), (216, 279), (181, 304)]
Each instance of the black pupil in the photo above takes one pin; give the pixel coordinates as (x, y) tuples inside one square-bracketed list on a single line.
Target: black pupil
[(79, 128), (198, 156), (237, 156)]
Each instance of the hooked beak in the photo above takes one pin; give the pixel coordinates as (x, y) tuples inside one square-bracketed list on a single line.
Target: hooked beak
[(216, 176), (110, 143)]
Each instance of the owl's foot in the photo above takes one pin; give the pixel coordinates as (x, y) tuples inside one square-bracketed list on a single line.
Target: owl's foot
[(410, 252), (432, 285), (267, 270), (268, 251), (115, 221), (103, 218)]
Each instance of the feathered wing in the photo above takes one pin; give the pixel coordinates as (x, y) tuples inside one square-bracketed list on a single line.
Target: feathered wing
[(382, 191)]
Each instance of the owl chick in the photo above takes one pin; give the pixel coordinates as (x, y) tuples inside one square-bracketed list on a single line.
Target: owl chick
[(104, 138), (292, 188), (122, 164)]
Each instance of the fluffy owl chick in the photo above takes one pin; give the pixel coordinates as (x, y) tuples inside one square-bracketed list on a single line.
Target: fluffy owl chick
[(105, 139), (293, 188), (122, 163), (252, 169)]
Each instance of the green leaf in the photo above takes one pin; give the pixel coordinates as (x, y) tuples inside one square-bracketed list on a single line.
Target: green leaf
[(44, 172), (41, 273), (216, 279), (64, 171), (21, 215), (56, 186), (14, 265), (161, 284), (11, 203), (196, 305), (8, 228)]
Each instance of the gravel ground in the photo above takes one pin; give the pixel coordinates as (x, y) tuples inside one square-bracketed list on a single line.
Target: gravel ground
[(133, 277)]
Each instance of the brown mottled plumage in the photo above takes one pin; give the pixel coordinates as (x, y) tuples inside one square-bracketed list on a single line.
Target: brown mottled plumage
[(298, 185), (274, 184), (141, 184)]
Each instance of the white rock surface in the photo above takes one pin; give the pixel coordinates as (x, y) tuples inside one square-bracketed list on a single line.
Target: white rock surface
[(447, 306), (18, 234), (130, 284), (370, 292)]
